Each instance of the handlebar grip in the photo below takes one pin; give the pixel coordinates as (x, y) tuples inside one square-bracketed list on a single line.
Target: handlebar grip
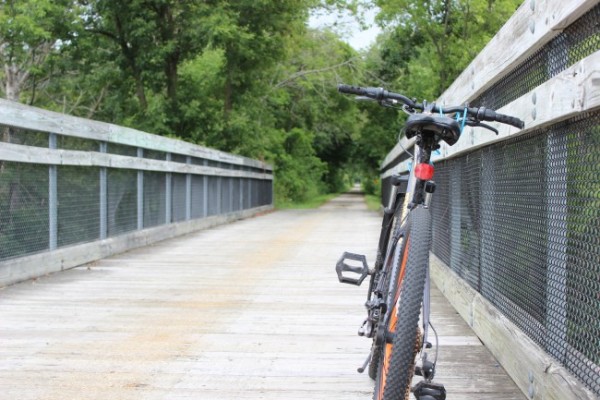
[(486, 114), (371, 92), (506, 119), (357, 90)]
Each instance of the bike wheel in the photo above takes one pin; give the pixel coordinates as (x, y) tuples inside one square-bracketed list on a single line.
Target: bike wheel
[(397, 361), (397, 241)]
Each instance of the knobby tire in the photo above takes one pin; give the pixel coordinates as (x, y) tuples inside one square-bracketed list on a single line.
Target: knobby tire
[(395, 239), (397, 361)]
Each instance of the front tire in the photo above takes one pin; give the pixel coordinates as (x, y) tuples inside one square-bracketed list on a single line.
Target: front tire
[(397, 361)]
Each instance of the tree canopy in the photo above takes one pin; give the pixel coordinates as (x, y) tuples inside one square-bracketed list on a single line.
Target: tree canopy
[(248, 76)]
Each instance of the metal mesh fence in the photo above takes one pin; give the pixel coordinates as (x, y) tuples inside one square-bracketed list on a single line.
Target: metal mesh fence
[(23, 136), (226, 200), (122, 201), (73, 143), (179, 188), (155, 202), (78, 205), (440, 212), (198, 196), (121, 149), (44, 207), (520, 221), (23, 209), (577, 41), (246, 194), (214, 195)]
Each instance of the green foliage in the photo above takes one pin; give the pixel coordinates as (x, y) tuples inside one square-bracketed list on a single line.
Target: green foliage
[(303, 171), (430, 43), (247, 76), (31, 32)]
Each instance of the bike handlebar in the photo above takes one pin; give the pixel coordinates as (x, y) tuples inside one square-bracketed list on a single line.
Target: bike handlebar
[(479, 113)]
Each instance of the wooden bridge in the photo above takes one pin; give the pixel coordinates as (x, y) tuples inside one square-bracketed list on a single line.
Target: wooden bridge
[(169, 299), (248, 310)]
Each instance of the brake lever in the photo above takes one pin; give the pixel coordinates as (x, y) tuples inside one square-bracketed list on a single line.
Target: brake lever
[(491, 128), (481, 124)]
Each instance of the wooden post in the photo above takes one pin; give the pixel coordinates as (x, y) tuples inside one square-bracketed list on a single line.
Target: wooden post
[(188, 192), (140, 193), (52, 198), (168, 194), (205, 193), (103, 196)]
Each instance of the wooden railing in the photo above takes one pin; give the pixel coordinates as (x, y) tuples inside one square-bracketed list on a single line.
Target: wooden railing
[(74, 190), (516, 223)]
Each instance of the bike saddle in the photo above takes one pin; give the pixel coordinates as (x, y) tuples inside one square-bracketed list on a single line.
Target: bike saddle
[(444, 128)]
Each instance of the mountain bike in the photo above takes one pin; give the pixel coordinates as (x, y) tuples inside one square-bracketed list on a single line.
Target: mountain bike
[(398, 304)]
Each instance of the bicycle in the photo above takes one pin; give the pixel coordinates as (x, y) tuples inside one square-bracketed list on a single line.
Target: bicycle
[(398, 305)]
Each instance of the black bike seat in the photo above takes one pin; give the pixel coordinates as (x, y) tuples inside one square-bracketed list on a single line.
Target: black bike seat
[(445, 128)]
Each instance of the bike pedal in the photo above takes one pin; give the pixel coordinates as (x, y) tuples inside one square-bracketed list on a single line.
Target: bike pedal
[(429, 391), (352, 268)]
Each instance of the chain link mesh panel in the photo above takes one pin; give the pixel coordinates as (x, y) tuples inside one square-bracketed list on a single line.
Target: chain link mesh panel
[(122, 201), (74, 143), (577, 41), (78, 192), (23, 209), (440, 212), (520, 221), (155, 202), (198, 196), (178, 205), (98, 202), (155, 155), (246, 188), (23, 136), (263, 189), (226, 199), (214, 196), (121, 149)]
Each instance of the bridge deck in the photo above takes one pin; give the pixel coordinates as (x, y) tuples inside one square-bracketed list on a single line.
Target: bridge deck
[(250, 310)]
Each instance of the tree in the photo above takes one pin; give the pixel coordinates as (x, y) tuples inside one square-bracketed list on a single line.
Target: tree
[(432, 41), (425, 46), (30, 31)]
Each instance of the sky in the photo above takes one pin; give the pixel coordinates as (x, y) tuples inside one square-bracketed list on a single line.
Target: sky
[(348, 27)]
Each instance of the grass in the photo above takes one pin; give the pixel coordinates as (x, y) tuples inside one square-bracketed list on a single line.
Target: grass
[(373, 202), (313, 202)]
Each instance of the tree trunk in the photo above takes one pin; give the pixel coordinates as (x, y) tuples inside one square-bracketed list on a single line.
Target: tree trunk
[(171, 76), (13, 78), (140, 91), (228, 93)]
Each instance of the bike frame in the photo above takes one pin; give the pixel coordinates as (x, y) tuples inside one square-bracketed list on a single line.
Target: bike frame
[(428, 123), (415, 191)]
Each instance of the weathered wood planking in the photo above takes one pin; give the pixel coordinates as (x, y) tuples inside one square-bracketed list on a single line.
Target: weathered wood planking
[(26, 117), (27, 267), (536, 373), (251, 310)]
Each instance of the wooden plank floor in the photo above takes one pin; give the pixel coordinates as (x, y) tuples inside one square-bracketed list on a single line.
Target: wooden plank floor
[(250, 310)]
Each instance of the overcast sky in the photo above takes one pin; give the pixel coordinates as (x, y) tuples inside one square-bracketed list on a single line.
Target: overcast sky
[(348, 27)]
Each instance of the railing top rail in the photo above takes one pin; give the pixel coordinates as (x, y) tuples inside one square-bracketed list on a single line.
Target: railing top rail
[(32, 118)]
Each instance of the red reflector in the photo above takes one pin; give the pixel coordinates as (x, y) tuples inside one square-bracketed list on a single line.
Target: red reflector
[(424, 171)]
